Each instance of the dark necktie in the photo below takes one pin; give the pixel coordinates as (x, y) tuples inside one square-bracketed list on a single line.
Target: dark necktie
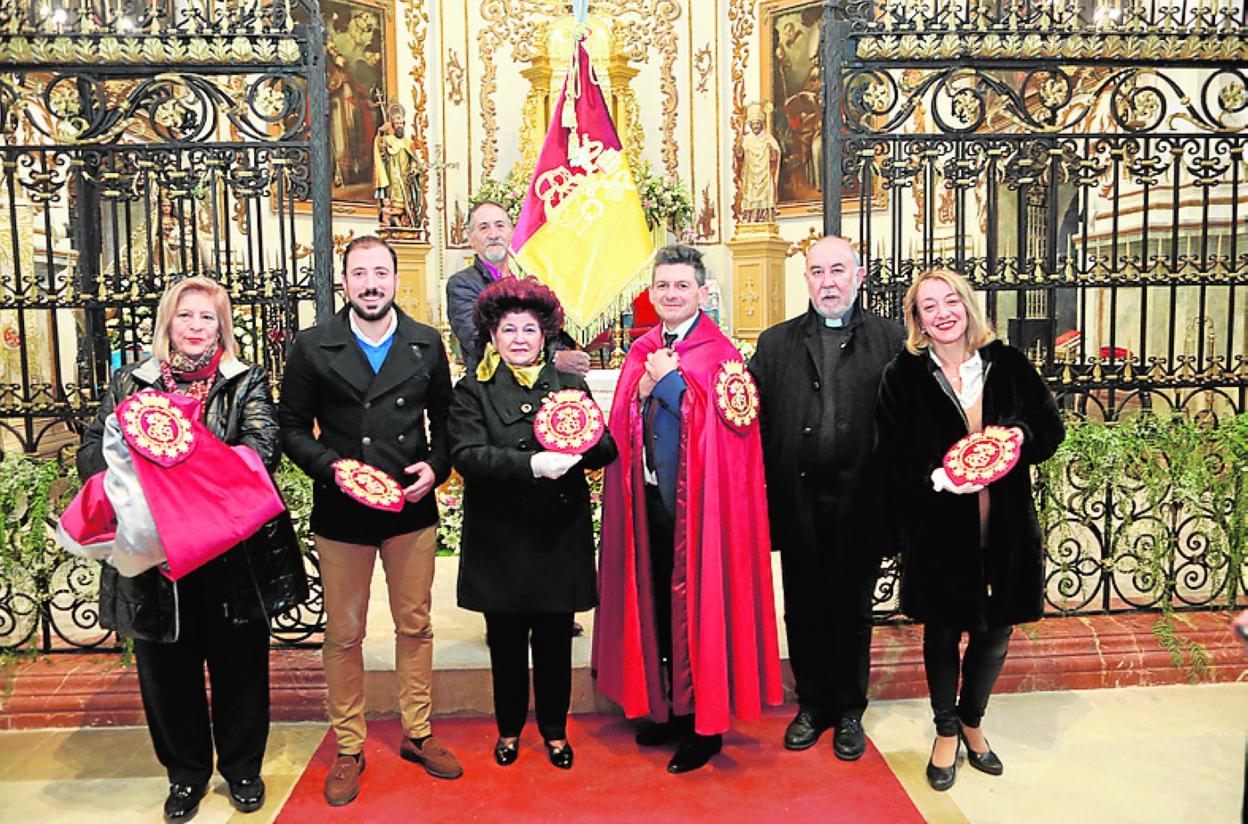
[(649, 411)]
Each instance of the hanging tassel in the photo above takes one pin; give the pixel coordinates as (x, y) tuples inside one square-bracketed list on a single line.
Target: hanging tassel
[(572, 91)]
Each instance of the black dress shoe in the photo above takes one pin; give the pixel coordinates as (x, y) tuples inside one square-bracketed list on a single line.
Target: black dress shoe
[(941, 778), (654, 735), (986, 762), (506, 753), (247, 795), (803, 731), (183, 801), (850, 742), (561, 757), (694, 752)]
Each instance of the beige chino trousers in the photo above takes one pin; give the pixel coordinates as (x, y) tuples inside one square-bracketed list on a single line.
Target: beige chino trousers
[(346, 574)]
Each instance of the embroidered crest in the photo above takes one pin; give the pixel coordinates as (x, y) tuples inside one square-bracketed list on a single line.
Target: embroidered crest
[(983, 457), (568, 421), (155, 427), (368, 485), (736, 396)]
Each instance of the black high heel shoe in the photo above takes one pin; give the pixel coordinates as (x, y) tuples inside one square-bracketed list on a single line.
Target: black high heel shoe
[(985, 762), (505, 753), (941, 778), (561, 757)]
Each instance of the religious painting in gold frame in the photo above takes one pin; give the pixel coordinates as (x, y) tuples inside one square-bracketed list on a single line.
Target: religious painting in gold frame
[(362, 72), (790, 32)]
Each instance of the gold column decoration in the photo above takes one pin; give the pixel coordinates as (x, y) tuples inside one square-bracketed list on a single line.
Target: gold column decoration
[(758, 255), (625, 113), (489, 40), (417, 20), (535, 115), (741, 26), (413, 295), (665, 13)]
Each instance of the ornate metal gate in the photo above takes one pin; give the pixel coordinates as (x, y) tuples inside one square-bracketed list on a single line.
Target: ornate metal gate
[(1084, 164), (142, 141)]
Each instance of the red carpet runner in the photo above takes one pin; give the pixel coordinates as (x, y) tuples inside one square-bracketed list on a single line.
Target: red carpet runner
[(753, 780)]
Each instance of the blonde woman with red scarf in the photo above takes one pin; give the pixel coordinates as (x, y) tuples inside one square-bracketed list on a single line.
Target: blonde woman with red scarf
[(218, 613)]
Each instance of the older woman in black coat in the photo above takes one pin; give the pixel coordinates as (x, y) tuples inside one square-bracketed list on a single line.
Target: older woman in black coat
[(973, 558), (218, 614), (527, 549)]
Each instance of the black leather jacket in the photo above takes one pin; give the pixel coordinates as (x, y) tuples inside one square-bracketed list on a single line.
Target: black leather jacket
[(263, 576)]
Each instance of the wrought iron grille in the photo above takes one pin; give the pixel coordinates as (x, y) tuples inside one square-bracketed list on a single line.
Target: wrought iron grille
[(142, 141), (1083, 163)]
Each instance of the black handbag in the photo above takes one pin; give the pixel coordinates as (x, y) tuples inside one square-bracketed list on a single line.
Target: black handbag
[(276, 560)]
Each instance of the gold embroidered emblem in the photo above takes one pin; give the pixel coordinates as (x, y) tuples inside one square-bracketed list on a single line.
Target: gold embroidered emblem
[(368, 485), (156, 427), (736, 396), (568, 421), (983, 457)]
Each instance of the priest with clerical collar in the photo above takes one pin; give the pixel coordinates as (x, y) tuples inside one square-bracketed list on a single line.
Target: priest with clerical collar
[(818, 376)]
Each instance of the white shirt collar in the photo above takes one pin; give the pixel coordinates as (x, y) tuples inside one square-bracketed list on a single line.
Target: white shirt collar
[(683, 329), (971, 371), (385, 336)]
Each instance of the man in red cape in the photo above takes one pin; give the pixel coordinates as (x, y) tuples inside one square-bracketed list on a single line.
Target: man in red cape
[(686, 628)]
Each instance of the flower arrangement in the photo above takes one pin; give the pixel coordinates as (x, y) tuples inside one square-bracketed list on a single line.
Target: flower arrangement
[(450, 514), (665, 200), (509, 193)]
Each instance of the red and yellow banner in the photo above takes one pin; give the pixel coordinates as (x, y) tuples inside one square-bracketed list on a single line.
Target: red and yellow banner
[(581, 229)]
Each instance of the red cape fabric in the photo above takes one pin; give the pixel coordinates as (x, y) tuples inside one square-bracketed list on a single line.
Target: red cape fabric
[(214, 499), (724, 637), (90, 518)]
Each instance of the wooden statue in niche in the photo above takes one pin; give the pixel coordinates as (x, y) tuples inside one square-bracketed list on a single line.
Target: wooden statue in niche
[(759, 162), (396, 173)]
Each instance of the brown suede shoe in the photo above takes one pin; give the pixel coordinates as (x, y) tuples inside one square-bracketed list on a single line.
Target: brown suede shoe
[(433, 755), (342, 784)]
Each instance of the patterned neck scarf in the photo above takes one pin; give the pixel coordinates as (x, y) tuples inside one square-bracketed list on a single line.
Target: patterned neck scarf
[(526, 376), (201, 372)]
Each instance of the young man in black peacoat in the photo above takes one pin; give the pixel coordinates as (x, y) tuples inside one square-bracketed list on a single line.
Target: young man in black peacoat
[(818, 376), (371, 379)]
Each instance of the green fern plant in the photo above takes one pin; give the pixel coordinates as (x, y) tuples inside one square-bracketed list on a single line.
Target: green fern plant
[(1158, 473)]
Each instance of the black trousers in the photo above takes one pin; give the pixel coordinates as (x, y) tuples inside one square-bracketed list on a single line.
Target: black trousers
[(175, 700), (828, 621), (661, 530), (980, 667), (550, 636)]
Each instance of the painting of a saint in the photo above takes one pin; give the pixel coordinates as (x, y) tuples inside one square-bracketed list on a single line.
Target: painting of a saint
[(360, 68), (793, 81)]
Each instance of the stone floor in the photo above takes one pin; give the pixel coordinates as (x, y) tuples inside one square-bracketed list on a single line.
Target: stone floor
[(1136, 754)]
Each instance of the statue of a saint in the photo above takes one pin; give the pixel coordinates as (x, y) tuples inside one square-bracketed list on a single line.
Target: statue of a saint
[(396, 173), (759, 161)]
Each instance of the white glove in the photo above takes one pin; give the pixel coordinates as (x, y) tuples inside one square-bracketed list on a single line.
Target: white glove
[(941, 483), (552, 464)]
